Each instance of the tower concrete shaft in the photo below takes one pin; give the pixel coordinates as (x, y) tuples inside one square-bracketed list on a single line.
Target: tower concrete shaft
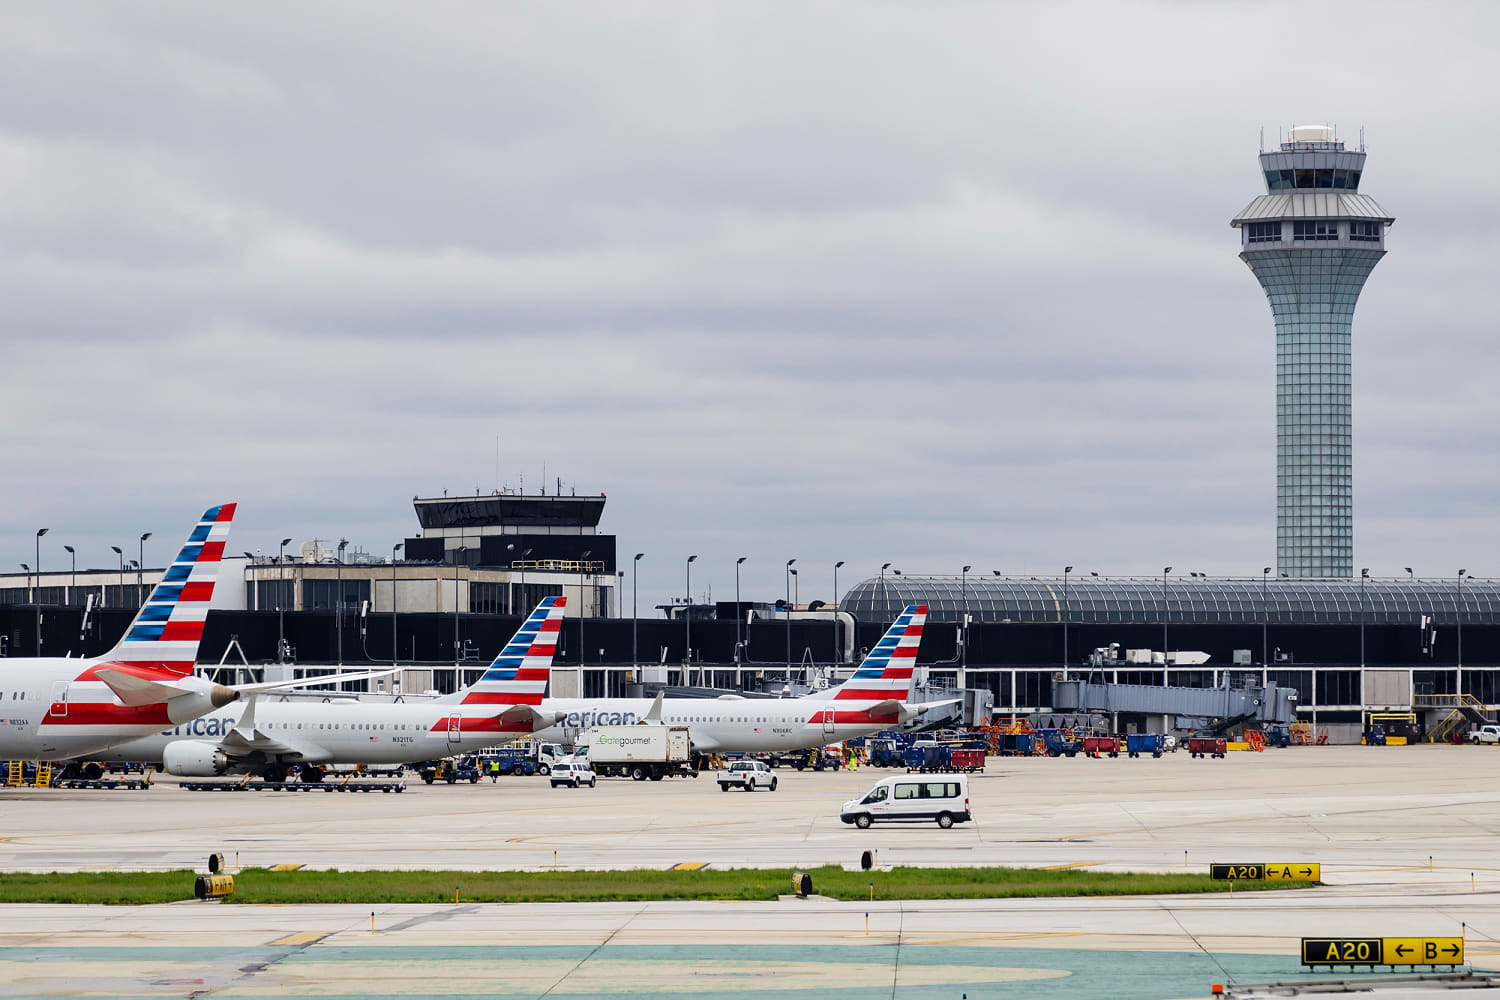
[(1311, 242)]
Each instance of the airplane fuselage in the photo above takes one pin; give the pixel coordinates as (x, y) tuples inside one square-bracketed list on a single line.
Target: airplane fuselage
[(341, 732), (53, 708), (748, 725)]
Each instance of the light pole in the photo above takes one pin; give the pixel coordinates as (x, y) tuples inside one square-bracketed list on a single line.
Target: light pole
[(687, 617), (281, 601), (338, 603), (524, 554), (739, 613), (635, 579), (583, 561), (37, 596), (789, 572), (395, 650), (963, 591), (1067, 613), (1165, 681), (836, 657), (456, 655), (1410, 577), (72, 575), (140, 570), (1364, 577), (1265, 622), (1459, 616), (122, 573)]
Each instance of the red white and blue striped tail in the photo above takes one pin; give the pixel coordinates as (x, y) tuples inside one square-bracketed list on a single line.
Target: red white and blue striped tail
[(885, 675), (169, 626), (519, 674)]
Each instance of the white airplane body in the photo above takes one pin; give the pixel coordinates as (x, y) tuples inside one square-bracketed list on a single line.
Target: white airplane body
[(266, 737), (874, 698)]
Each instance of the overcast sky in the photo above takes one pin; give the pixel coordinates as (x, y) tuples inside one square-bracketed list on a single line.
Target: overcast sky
[(924, 283)]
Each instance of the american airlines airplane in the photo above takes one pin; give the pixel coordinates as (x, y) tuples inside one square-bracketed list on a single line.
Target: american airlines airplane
[(57, 708), (266, 737), (872, 699)]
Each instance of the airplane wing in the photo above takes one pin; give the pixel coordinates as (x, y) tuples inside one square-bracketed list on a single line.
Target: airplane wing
[(135, 690), (247, 738)]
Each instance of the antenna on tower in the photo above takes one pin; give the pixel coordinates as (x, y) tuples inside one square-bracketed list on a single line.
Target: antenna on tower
[(1262, 138), (1361, 138)]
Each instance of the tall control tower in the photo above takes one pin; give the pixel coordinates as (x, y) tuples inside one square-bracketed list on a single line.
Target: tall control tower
[(1311, 242)]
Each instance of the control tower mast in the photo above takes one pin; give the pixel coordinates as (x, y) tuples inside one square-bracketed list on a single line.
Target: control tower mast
[(1311, 241)]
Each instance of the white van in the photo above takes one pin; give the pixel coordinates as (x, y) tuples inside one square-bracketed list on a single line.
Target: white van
[(941, 797)]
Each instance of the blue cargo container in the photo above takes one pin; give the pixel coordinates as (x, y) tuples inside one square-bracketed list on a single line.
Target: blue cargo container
[(1139, 743), (1057, 744)]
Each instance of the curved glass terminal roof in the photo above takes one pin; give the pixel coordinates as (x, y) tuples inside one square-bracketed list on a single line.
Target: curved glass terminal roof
[(1186, 599)]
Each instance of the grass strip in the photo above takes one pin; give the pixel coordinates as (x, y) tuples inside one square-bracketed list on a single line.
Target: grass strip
[(259, 885)]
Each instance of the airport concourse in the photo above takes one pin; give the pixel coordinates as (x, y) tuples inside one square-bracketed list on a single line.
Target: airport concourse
[(1404, 837)]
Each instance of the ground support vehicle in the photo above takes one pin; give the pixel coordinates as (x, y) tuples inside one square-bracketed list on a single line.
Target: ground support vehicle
[(449, 769), (1278, 734), (1017, 744), (929, 758), (639, 752), (573, 773), (1094, 746), (1138, 743), (886, 752), (966, 759), (746, 774), (911, 798), (1060, 742), (1206, 746), (1485, 734)]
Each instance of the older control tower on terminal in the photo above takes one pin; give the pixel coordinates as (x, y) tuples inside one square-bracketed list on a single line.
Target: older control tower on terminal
[(1311, 241)]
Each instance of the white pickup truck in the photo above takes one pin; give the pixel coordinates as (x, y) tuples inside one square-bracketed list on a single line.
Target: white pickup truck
[(747, 774), (1485, 734)]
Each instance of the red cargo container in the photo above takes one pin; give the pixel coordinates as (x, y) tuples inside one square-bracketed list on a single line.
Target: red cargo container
[(1093, 746), (968, 760), (1205, 746)]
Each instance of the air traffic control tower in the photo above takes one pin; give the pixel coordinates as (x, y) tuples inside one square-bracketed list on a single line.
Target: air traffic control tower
[(1312, 240)]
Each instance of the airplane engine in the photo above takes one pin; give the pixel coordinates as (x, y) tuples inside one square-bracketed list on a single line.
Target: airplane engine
[(194, 759)]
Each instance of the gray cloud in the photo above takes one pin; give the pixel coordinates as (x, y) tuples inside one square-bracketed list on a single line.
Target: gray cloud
[(937, 284)]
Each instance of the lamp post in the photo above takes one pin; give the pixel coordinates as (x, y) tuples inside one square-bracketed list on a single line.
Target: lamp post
[(738, 614), (635, 579), (687, 618), (963, 591), (1165, 681), (1410, 577), (1364, 577), (789, 572), (281, 601), (1459, 617), (37, 596), (72, 575), (1067, 613), (140, 570), (395, 650), (338, 603), (837, 657), (1265, 624), (583, 561), (524, 554), (122, 572), (457, 657)]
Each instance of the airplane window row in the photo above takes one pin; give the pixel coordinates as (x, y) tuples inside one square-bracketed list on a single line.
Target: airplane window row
[(735, 718)]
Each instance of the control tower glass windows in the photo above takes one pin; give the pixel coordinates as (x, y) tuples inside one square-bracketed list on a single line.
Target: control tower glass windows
[(1263, 232), (1286, 180), (1366, 231), (1315, 230)]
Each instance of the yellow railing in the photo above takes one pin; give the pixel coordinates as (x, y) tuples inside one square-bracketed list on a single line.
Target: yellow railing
[(561, 565), (1443, 731), (1441, 700)]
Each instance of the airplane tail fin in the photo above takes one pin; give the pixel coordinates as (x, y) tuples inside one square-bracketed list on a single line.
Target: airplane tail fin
[(885, 675), (518, 676), (169, 626)]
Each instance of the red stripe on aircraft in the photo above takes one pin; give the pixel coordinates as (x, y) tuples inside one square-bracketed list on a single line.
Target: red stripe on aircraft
[(211, 552), (146, 670), (550, 625), (181, 632), (83, 713), (870, 694), (197, 592), (502, 698), (226, 512)]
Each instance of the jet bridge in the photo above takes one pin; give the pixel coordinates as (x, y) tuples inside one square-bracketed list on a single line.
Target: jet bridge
[(1260, 704)]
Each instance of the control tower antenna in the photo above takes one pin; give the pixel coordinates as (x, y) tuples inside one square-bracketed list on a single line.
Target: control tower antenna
[(1311, 242)]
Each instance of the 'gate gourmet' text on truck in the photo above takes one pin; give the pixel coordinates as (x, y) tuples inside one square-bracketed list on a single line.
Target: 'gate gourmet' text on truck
[(641, 751)]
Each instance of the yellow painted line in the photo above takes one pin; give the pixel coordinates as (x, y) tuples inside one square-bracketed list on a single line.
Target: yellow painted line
[(1076, 864), (996, 937), (284, 868), (306, 937), (689, 866), (517, 840)]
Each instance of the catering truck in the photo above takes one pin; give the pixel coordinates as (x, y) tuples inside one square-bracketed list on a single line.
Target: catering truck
[(638, 751)]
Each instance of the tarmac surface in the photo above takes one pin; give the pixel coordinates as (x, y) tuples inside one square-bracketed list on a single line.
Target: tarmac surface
[(1405, 836)]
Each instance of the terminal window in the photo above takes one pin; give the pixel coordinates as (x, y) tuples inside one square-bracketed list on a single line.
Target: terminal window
[(1315, 230)]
